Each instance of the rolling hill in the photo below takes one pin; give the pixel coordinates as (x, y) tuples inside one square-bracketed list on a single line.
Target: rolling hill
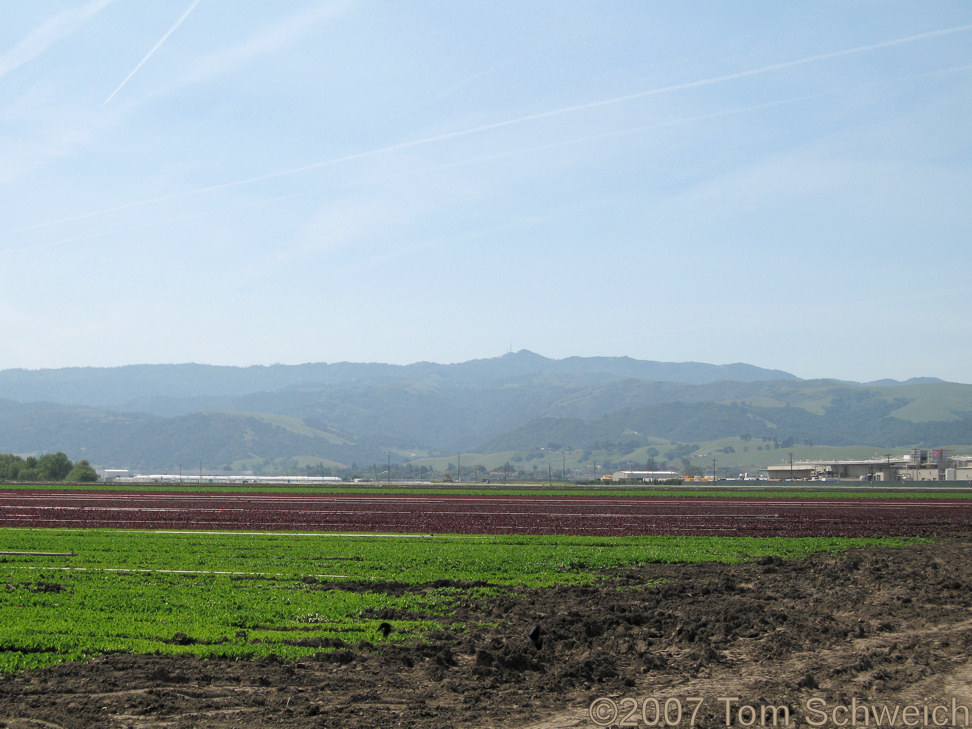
[(158, 417)]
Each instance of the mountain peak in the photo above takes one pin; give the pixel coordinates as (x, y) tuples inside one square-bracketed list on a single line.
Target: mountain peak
[(525, 355)]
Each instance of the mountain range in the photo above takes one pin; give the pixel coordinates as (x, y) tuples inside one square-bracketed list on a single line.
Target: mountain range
[(160, 417)]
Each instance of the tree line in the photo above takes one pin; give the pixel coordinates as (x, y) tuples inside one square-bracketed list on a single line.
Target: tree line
[(48, 467)]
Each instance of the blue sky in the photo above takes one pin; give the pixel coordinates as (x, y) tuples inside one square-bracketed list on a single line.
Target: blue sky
[(248, 182)]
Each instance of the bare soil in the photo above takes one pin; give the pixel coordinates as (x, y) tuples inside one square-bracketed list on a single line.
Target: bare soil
[(879, 627)]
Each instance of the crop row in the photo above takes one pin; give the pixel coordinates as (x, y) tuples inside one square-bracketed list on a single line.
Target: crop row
[(801, 490), (492, 515)]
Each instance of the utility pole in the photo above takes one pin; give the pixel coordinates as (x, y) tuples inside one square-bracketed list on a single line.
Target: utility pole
[(459, 468), (791, 464), (549, 474), (713, 469)]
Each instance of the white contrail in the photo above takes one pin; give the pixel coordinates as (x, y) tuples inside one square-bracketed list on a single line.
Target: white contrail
[(461, 163), (501, 124), (162, 40), (50, 32)]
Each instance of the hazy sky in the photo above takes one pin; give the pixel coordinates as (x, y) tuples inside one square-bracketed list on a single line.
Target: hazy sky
[(249, 182)]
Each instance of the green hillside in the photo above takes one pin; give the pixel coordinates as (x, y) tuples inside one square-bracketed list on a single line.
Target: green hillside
[(520, 410), (934, 402)]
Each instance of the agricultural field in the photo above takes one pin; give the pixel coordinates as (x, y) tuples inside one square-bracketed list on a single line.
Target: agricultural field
[(492, 514), (721, 489), (399, 620), (74, 594)]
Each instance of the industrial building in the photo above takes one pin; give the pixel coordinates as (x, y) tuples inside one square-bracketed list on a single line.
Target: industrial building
[(643, 476), (917, 465), (124, 476)]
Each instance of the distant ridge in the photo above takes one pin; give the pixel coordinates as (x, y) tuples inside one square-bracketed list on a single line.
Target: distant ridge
[(118, 387), (518, 406), (911, 381)]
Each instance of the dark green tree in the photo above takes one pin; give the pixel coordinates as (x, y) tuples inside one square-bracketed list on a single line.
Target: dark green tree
[(48, 467), (54, 466), (82, 473)]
